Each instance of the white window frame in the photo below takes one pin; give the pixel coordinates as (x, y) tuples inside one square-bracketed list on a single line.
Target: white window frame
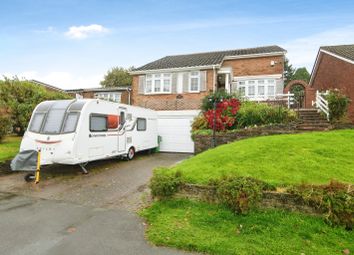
[(267, 82), (194, 75), (161, 77)]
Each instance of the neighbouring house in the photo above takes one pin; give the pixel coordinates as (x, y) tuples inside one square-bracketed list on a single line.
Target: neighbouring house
[(175, 86), (114, 94), (334, 69)]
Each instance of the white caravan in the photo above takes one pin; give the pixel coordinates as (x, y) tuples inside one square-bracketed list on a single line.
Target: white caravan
[(79, 131)]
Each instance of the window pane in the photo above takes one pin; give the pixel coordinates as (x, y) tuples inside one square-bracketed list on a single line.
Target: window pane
[(148, 76), (271, 90), (70, 122), (242, 91), (194, 73), (271, 81), (157, 75), (241, 83), (251, 90), (167, 75), (260, 81), (251, 82), (141, 124), (194, 84), (98, 123), (157, 86), (166, 85), (53, 121), (261, 90), (36, 122), (148, 87)]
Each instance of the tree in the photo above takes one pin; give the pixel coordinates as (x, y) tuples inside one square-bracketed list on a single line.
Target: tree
[(301, 74), (19, 98), (116, 77), (289, 71)]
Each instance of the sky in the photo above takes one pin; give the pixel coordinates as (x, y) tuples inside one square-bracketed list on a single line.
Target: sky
[(72, 44)]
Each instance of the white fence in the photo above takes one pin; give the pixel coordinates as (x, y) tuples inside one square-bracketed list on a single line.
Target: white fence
[(321, 103), (287, 99)]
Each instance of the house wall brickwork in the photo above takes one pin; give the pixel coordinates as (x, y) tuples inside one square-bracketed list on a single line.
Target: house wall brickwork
[(192, 101), (334, 73), (256, 66)]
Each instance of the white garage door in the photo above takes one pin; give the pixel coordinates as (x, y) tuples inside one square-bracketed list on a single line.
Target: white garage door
[(174, 127)]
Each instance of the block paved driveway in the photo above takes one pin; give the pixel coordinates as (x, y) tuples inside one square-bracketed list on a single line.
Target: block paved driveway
[(70, 213)]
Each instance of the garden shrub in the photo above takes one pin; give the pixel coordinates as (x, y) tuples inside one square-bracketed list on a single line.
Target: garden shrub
[(337, 104), (5, 126), (164, 184), (241, 194), (252, 113), (218, 96), (199, 123), (225, 115), (336, 200)]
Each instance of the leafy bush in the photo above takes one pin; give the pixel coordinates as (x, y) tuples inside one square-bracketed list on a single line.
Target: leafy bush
[(207, 103), (224, 115), (251, 114), (20, 99), (337, 104), (163, 184), (5, 126), (199, 123), (335, 199), (241, 194)]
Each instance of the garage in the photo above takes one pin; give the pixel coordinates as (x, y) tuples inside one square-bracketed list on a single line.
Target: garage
[(174, 128)]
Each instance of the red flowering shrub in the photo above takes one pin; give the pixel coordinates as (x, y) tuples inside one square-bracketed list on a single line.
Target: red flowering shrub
[(225, 114)]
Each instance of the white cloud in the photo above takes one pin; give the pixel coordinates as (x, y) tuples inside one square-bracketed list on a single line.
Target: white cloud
[(63, 80), (303, 51), (82, 32)]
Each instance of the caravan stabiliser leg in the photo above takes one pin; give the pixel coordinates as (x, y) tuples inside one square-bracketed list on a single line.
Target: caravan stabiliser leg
[(82, 165)]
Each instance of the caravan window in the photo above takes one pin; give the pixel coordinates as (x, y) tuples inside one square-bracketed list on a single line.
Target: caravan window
[(36, 122), (52, 124), (98, 123), (141, 124), (71, 122)]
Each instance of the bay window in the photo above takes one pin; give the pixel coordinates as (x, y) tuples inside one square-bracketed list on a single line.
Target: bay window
[(158, 83)]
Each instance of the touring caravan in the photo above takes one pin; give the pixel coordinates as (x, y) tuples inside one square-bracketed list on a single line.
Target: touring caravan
[(83, 130)]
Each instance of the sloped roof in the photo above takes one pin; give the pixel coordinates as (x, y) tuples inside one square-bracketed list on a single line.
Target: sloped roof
[(345, 51), (205, 58)]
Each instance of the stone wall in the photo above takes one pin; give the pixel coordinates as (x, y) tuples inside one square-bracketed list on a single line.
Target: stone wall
[(204, 142), (270, 199)]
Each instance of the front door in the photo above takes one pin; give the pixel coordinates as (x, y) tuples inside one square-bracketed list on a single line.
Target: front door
[(122, 133)]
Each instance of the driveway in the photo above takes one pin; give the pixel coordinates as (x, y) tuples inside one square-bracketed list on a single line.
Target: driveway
[(83, 214)]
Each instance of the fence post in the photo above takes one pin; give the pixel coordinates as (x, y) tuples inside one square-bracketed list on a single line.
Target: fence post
[(288, 99)]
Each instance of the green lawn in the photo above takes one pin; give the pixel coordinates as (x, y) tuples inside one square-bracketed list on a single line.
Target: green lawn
[(9, 147), (280, 159), (202, 227)]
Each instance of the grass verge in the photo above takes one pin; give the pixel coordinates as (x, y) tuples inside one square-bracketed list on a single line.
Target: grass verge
[(202, 227)]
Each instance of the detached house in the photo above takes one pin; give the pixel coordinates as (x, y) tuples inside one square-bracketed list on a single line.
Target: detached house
[(334, 69), (175, 85)]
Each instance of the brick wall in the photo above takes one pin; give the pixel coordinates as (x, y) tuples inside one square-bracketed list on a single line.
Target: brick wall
[(333, 73), (256, 66), (183, 101)]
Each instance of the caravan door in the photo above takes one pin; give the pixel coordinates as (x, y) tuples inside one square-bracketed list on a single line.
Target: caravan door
[(122, 135)]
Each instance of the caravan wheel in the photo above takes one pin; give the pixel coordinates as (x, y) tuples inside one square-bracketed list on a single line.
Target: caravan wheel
[(30, 177), (131, 153)]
